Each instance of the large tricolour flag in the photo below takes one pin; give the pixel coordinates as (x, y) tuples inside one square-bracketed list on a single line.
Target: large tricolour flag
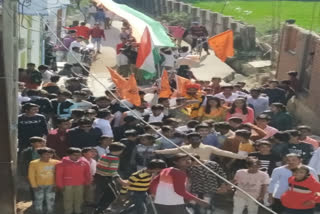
[(148, 56)]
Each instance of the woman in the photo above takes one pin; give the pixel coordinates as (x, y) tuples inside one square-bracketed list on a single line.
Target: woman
[(240, 109), (280, 118), (212, 110)]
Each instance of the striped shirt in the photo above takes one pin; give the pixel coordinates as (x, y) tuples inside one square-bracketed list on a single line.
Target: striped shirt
[(108, 166), (138, 181)]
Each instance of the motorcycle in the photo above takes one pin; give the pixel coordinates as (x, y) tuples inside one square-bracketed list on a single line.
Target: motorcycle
[(87, 54)]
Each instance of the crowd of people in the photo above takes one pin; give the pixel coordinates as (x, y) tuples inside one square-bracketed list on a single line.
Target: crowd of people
[(98, 152)]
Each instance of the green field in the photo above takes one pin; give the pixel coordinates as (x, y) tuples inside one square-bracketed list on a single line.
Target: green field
[(260, 12)]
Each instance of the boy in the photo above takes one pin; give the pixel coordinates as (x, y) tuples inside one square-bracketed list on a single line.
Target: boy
[(104, 143), (169, 187), (62, 106), (157, 114), (41, 178), (106, 175), (30, 124), (302, 196), (139, 183), (57, 138), (254, 182), (145, 150), (264, 155), (80, 102), (246, 145), (72, 175), (30, 154), (102, 122), (262, 122), (88, 156)]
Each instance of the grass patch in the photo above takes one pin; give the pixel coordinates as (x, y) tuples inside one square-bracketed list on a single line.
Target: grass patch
[(260, 12)]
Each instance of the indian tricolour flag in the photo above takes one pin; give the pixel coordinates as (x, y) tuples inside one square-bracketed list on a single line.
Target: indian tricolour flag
[(148, 56)]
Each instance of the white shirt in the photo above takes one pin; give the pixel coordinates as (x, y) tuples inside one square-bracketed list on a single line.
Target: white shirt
[(84, 105), (46, 76), (75, 44), (229, 99), (92, 10), (104, 126), (315, 160), (101, 151), (155, 119)]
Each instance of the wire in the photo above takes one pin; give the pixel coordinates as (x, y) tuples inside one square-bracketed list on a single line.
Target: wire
[(160, 134)]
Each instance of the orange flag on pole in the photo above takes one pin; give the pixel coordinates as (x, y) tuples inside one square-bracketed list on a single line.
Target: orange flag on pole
[(181, 85), (222, 44), (131, 91), (118, 80), (165, 89)]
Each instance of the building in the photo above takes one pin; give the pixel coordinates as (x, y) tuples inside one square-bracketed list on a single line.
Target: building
[(300, 51)]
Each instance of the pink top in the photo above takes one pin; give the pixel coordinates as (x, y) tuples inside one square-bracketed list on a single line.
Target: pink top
[(247, 118), (270, 131), (176, 31), (311, 141)]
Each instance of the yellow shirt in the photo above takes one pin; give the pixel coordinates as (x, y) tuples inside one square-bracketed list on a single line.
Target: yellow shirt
[(42, 173), (194, 108), (246, 147), (218, 114)]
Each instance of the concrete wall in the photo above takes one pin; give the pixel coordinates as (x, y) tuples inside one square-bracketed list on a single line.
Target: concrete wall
[(215, 22), (300, 51)]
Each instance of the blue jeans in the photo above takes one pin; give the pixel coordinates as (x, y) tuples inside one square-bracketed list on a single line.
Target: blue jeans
[(41, 194), (138, 200), (98, 41)]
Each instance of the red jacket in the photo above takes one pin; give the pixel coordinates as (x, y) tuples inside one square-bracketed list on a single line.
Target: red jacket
[(300, 192), (57, 140), (70, 173), (81, 31)]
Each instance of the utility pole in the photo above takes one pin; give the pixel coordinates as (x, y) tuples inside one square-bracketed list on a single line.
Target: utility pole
[(8, 106)]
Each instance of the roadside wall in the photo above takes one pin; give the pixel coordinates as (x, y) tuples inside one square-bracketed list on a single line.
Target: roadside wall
[(215, 22), (300, 51)]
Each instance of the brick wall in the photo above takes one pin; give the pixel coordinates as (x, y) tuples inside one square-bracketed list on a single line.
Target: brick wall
[(300, 51)]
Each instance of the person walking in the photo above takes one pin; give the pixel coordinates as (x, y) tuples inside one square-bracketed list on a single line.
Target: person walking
[(96, 36)]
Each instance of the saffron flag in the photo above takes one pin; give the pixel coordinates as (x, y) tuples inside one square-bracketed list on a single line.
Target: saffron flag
[(222, 44), (182, 85), (148, 56), (131, 91), (165, 89), (118, 80)]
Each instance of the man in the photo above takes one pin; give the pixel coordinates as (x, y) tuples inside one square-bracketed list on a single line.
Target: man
[(82, 30), (123, 63), (46, 74), (80, 102), (34, 77), (198, 31), (197, 147), (259, 103), (96, 35), (294, 81), (76, 43), (30, 124), (57, 138), (63, 49), (62, 107), (227, 94), (275, 94), (194, 94), (279, 180), (208, 138), (305, 132), (262, 122), (84, 135), (102, 122), (304, 150), (45, 107)]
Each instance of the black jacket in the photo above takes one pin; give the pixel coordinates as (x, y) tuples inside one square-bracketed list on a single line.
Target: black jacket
[(80, 139), (65, 107)]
